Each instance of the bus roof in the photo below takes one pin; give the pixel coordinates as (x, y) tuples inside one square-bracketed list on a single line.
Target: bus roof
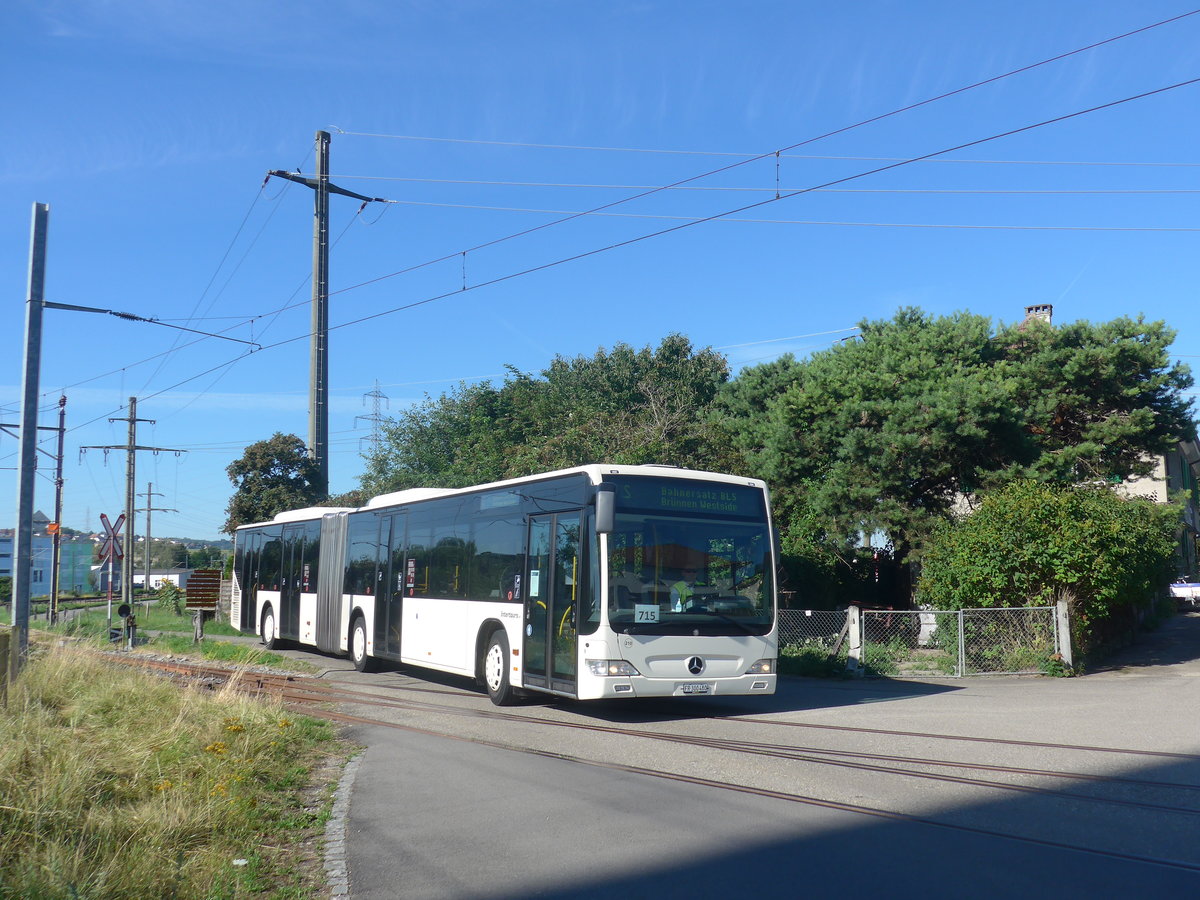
[(595, 473), (300, 515)]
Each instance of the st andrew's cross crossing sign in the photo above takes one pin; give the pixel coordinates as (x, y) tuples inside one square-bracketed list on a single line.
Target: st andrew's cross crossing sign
[(112, 538)]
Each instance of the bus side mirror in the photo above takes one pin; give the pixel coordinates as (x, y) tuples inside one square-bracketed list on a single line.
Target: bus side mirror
[(605, 509)]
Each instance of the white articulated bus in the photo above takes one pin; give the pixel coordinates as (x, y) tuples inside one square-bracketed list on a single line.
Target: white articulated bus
[(597, 581)]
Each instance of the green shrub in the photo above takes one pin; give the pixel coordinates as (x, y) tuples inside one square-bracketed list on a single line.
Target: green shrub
[(1032, 544), (170, 597)]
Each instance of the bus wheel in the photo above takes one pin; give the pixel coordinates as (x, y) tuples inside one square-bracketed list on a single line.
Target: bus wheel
[(268, 628), (358, 646), (495, 669)]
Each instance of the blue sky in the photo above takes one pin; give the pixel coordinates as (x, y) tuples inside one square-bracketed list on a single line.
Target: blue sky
[(149, 125)]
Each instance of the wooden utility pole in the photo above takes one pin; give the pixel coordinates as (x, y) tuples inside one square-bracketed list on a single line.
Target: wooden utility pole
[(130, 447), (150, 508), (55, 529), (56, 537)]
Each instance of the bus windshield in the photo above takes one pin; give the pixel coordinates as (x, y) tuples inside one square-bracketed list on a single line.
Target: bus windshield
[(684, 574)]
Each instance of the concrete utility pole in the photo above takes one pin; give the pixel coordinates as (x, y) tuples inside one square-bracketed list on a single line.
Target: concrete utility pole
[(130, 447), (318, 388), (150, 508), (318, 385), (27, 455)]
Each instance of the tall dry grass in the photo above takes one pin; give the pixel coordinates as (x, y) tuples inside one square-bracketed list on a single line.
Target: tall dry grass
[(118, 784)]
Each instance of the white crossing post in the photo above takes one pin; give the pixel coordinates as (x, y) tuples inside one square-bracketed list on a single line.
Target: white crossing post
[(1063, 618), (854, 627)]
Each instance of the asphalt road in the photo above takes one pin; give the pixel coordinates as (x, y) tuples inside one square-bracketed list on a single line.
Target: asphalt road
[(854, 790)]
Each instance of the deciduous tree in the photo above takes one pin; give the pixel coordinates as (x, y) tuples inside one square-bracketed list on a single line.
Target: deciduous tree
[(271, 476), (889, 432), (620, 405)]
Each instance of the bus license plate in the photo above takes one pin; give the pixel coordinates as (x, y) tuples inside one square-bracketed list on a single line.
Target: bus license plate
[(696, 687)]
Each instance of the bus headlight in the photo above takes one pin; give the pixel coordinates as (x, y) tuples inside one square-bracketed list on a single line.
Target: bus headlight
[(762, 667), (611, 667)]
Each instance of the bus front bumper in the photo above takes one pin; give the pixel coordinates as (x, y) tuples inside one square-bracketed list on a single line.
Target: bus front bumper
[(641, 686)]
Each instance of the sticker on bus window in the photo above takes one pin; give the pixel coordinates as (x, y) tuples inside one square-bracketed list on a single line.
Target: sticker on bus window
[(535, 582), (645, 612)]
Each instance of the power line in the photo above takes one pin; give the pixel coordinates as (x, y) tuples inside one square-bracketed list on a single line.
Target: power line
[(794, 337), (873, 119), (638, 187), (241, 322), (637, 239), (664, 216), (213, 277), (894, 163), (842, 130), (690, 223)]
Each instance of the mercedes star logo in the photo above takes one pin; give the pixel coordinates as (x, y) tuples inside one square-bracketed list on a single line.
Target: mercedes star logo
[(695, 665)]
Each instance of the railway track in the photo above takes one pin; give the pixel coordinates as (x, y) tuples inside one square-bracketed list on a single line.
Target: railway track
[(1159, 797)]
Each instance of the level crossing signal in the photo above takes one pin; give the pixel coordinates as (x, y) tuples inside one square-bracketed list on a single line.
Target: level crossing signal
[(111, 548)]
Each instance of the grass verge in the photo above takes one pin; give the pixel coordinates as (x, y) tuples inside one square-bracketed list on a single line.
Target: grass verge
[(224, 651), (117, 784), (92, 628)]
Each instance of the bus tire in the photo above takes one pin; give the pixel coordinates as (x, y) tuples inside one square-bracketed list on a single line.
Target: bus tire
[(267, 631), (495, 669), (358, 646)]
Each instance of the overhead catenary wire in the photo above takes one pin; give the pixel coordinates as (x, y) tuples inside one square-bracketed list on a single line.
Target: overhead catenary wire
[(639, 238), (680, 218), (475, 182), (212, 278), (729, 213), (241, 321), (838, 131), (991, 80), (720, 215), (777, 153)]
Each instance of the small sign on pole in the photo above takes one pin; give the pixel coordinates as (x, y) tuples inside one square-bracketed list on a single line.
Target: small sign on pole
[(204, 589), (203, 594)]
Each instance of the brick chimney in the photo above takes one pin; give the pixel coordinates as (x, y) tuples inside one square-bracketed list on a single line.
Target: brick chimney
[(1043, 311)]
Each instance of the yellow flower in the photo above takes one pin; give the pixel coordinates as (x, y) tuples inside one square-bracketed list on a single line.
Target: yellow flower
[(163, 785), (216, 747), (232, 724), (285, 723)]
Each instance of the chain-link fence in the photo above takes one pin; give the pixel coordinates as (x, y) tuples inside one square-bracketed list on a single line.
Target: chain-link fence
[(966, 642), (908, 642), (921, 643), (1008, 641), (814, 640)]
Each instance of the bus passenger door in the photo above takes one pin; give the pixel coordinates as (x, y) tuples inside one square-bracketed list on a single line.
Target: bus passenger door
[(289, 587), (552, 577)]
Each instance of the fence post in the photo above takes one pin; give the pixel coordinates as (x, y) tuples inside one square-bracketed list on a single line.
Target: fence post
[(962, 646), (5, 664), (1062, 618), (854, 633)]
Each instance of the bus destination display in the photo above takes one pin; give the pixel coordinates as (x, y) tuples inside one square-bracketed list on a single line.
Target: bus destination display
[(674, 496)]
